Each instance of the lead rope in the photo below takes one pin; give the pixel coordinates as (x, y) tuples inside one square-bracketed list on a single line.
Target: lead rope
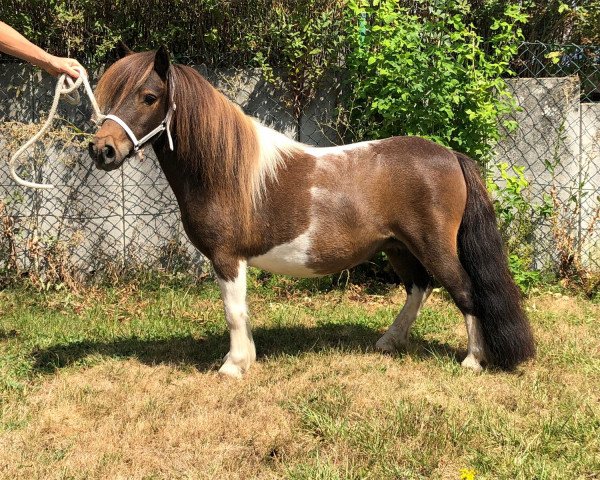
[(67, 87)]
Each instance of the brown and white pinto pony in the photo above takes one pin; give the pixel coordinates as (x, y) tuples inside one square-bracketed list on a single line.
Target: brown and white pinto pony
[(251, 196)]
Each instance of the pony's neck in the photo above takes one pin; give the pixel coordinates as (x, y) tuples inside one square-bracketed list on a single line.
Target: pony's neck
[(224, 158)]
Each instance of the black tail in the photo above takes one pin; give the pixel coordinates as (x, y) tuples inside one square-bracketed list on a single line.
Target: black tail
[(497, 299)]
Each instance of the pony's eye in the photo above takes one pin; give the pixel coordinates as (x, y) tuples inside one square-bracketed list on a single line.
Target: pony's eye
[(149, 99)]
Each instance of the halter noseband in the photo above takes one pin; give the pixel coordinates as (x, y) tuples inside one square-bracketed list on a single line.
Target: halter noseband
[(164, 125)]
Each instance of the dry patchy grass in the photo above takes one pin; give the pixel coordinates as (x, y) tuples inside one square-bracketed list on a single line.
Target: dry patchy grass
[(122, 383)]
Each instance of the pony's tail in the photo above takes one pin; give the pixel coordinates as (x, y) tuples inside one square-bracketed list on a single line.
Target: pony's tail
[(496, 297)]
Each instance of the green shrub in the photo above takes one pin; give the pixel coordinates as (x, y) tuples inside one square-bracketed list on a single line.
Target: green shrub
[(303, 45), (215, 32), (411, 74), (517, 218)]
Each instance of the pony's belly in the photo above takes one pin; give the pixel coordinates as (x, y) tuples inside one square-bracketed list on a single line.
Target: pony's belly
[(288, 258)]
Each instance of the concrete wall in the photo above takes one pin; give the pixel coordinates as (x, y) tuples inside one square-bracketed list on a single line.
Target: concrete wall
[(557, 142), (590, 178)]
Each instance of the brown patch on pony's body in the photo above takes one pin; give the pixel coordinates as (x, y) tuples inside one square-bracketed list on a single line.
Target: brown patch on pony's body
[(363, 183)]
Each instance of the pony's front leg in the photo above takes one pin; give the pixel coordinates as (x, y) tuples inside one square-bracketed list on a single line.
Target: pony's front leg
[(241, 351)]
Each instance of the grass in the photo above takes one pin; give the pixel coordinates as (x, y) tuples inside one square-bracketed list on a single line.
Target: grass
[(121, 383)]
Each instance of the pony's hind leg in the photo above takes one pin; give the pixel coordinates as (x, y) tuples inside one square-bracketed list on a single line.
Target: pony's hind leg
[(242, 352), (440, 258), (476, 346), (417, 283)]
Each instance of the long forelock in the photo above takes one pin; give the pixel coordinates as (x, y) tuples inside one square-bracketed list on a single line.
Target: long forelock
[(122, 78)]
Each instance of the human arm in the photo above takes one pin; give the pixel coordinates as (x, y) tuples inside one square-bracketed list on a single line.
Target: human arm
[(15, 44)]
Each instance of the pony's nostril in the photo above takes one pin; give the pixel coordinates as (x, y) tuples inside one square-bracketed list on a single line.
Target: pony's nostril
[(92, 149), (108, 151)]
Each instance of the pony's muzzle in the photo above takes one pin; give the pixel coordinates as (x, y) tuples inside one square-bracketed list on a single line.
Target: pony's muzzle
[(104, 153)]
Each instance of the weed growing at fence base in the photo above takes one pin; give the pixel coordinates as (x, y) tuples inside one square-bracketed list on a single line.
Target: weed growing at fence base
[(121, 382)]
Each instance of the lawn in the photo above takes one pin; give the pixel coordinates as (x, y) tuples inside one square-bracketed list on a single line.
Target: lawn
[(122, 383)]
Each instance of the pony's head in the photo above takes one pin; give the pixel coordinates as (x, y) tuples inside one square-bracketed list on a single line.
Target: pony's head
[(134, 93)]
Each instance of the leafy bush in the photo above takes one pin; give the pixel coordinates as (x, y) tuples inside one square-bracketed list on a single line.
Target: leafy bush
[(304, 44), (428, 76), (215, 32), (517, 217)]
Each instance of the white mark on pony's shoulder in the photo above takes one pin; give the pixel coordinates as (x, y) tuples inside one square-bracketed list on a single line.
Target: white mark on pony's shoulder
[(319, 193), (335, 161), (274, 147)]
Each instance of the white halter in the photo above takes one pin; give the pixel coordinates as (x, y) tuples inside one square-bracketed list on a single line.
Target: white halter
[(164, 125), (138, 144)]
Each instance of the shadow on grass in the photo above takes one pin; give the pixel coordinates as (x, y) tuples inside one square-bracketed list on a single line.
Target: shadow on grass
[(6, 334), (206, 353)]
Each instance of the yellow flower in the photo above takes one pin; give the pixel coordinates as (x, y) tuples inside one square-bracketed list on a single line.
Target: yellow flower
[(467, 474)]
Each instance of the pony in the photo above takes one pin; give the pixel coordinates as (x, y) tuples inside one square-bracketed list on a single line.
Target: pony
[(249, 195)]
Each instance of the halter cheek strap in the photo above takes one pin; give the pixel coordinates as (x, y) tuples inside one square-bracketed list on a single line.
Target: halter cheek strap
[(138, 144)]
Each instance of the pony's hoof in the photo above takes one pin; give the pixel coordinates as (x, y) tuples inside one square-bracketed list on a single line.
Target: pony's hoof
[(231, 370), (472, 364), (387, 344)]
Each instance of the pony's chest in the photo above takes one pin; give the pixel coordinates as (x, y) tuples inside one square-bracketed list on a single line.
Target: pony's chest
[(290, 258)]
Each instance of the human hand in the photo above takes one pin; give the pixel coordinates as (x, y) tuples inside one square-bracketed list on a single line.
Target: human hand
[(58, 65)]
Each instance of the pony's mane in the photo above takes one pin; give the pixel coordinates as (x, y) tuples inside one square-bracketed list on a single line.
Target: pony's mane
[(230, 153)]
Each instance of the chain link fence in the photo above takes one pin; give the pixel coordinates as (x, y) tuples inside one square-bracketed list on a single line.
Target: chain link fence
[(557, 88), (130, 217)]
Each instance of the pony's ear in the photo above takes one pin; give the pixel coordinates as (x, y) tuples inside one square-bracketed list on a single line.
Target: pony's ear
[(162, 62), (123, 50)]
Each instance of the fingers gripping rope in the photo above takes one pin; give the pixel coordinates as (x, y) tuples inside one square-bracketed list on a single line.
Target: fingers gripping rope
[(67, 87)]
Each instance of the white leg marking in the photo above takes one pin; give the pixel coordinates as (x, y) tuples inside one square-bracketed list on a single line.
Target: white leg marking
[(476, 345), (242, 352), (397, 335)]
